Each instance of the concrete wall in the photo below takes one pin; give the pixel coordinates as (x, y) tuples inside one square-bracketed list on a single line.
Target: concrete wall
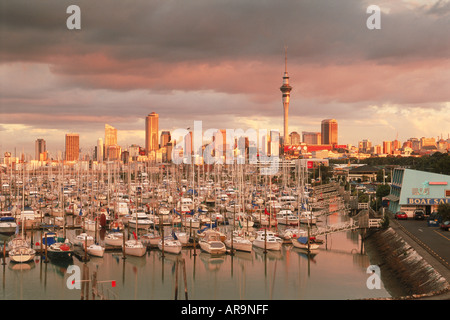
[(397, 258)]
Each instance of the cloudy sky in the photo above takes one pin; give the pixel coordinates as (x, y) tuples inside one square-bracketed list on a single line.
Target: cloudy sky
[(221, 62)]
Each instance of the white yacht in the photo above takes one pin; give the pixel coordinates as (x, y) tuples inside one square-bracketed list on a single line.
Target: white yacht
[(266, 239), (286, 217)]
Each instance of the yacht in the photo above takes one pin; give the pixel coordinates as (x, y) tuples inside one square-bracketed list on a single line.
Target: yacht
[(141, 220), (211, 243), (286, 217), (266, 239), (239, 243), (307, 217), (8, 225), (82, 239)]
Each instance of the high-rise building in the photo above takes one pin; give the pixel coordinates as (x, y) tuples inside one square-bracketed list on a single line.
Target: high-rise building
[(112, 150), (40, 150), (329, 131), (387, 147), (311, 137), (286, 94), (110, 136), (151, 132), (294, 138), (165, 138), (72, 146), (365, 146), (99, 150)]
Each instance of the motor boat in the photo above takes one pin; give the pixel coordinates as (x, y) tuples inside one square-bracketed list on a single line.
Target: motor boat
[(141, 220), (240, 244), (266, 239), (83, 239), (307, 217), (211, 243), (8, 225), (286, 217)]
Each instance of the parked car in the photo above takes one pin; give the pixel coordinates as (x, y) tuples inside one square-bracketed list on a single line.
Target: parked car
[(445, 225), (419, 215), (401, 215), (434, 220)]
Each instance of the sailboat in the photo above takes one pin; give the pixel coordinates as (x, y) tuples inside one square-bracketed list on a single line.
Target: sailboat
[(171, 245), (302, 243), (114, 239), (20, 250), (135, 248), (95, 250)]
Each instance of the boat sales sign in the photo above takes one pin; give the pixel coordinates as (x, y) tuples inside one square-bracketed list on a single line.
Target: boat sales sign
[(428, 201)]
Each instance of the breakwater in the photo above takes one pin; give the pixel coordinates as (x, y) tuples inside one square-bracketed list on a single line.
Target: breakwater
[(402, 266)]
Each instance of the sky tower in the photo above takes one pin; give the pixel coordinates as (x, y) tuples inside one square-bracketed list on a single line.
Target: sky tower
[(286, 90)]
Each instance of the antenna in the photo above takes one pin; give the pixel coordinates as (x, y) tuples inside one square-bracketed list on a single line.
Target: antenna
[(285, 58)]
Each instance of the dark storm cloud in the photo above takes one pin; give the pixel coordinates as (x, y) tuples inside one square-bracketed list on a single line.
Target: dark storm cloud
[(211, 59)]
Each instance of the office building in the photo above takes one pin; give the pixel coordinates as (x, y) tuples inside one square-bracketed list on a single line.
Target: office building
[(40, 150), (329, 131), (311, 138), (151, 132), (72, 147)]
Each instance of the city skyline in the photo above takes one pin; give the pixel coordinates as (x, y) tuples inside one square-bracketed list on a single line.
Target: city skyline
[(225, 71)]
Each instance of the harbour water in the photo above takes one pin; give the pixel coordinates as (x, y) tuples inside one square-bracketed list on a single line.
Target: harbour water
[(337, 272)]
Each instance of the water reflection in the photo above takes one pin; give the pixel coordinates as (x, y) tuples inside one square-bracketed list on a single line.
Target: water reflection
[(337, 271)]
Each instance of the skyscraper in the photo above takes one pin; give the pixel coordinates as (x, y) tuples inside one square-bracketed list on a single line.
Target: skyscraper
[(112, 150), (72, 146), (40, 148), (99, 150), (286, 90), (329, 131), (151, 132), (165, 138), (110, 135)]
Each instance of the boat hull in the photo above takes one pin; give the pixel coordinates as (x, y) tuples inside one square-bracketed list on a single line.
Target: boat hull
[(22, 255)]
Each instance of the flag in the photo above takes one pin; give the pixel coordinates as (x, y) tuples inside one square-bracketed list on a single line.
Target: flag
[(113, 283), (265, 211), (135, 236)]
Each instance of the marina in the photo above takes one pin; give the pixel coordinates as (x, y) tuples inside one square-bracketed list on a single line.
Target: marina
[(216, 245)]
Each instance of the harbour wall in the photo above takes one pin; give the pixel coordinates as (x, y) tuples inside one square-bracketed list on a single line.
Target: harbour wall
[(403, 270)]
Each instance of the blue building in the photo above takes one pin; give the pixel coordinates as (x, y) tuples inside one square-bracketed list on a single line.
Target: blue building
[(413, 189)]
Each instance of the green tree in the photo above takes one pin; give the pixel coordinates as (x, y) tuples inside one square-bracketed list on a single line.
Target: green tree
[(444, 211)]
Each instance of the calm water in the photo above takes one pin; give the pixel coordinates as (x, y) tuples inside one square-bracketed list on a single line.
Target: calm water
[(337, 272)]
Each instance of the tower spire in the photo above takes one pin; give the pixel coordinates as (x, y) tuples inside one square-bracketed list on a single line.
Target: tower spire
[(285, 59), (286, 93)]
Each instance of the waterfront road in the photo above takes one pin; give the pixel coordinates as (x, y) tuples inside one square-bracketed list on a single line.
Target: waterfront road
[(434, 239), (432, 243)]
